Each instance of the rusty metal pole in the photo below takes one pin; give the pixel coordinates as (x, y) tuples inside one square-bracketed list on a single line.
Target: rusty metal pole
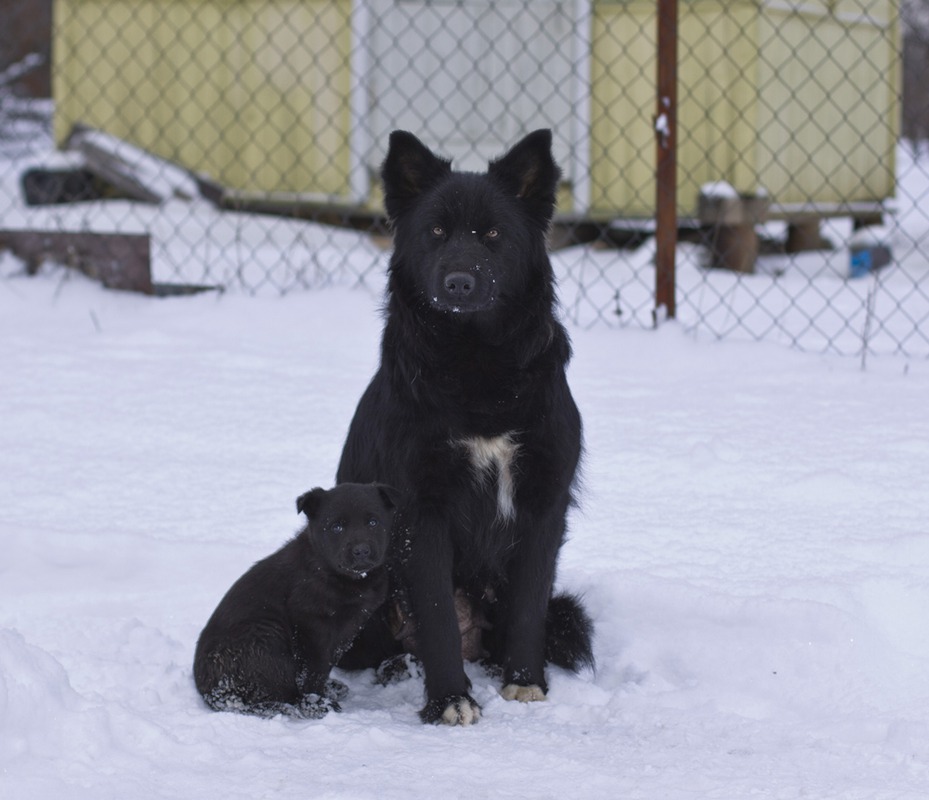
[(666, 164)]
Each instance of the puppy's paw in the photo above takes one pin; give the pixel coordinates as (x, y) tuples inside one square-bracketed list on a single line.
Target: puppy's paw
[(312, 706), (525, 694), (398, 669), (335, 690), (452, 710)]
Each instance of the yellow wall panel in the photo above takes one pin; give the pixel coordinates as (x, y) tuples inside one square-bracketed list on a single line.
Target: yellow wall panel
[(716, 99), (623, 65), (717, 68), (796, 98), (799, 98), (102, 57), (254, 93), (827, 110)]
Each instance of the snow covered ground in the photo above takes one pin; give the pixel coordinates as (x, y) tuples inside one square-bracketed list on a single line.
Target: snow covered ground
[(753, 541)]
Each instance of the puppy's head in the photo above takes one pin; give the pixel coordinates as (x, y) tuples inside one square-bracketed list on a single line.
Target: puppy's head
[(349, 525)]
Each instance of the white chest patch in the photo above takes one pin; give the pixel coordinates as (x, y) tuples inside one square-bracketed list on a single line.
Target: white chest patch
[(495, 456)]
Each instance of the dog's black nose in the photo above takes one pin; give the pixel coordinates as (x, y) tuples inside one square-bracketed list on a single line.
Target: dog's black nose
[(361, 551), (459, 285)]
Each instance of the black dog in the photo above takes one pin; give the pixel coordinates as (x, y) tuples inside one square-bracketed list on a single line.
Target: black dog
[(270, 644), (471, 418)]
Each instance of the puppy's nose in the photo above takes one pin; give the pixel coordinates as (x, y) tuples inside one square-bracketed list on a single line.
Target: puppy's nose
[(361, 551)]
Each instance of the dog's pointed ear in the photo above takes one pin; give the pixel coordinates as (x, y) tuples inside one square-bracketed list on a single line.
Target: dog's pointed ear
[(409, 169), (389, 495), (528, 171), (308, 503)]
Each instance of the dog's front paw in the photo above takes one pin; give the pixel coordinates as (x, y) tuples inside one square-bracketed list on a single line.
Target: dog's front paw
[(452, 710), (335, 690), (312, 706), (525, 694)]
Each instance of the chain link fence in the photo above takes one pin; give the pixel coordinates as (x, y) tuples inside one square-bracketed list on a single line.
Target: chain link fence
[(243, 140)]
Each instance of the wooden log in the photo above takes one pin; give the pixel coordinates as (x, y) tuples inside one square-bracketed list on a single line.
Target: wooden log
[(734, 247), (117, 260), (803, 235), (731, 239)]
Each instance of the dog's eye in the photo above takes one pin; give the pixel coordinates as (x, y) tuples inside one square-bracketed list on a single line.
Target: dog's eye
[(493, 233), (439, 232), (336, 527), (372, 522)]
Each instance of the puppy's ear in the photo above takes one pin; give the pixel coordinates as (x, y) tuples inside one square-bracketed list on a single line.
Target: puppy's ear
[(309, 502), (389, 495), (409, 169), (529, 172)]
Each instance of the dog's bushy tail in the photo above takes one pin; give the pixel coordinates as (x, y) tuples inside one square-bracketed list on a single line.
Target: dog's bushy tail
[(568, 633)]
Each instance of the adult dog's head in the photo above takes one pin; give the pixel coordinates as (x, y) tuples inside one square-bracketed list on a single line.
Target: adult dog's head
[(470, 246)]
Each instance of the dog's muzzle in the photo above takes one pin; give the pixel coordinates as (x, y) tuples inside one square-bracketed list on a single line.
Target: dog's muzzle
[(464, 291)]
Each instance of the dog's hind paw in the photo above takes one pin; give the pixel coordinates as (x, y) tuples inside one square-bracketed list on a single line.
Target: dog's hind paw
[(525, 694), (452, 710)]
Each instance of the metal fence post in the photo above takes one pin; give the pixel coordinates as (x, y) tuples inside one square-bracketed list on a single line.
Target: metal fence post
[(666, 163)]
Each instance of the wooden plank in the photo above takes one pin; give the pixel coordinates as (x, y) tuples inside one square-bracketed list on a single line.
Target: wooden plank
[(134, 172), (117, 260), (112, 168), (798, 212)]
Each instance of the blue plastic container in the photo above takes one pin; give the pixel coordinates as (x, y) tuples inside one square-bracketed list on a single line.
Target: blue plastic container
[(865, 260)]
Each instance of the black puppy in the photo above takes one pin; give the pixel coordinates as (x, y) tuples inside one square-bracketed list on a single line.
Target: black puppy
[(470, 416), (270, 644)]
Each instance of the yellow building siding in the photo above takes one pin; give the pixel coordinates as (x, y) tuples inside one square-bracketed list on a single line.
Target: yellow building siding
[(717, 98), (717, 62), (622, 139), (254, 93), (828, 115), (798, 98)]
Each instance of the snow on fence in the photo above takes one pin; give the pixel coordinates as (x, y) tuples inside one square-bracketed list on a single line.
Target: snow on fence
[(244, 141)]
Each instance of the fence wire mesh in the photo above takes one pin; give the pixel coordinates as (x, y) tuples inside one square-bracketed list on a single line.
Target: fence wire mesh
[(244, 138)]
